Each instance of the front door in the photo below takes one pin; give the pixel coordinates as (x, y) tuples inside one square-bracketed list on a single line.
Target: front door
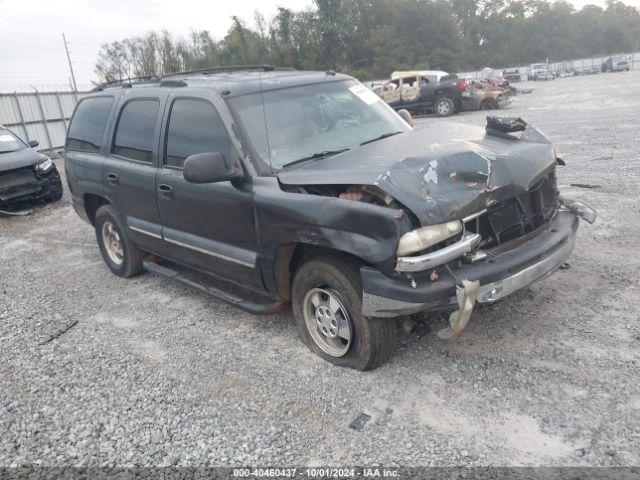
[(130, 167), (390, 92), (410, 90), (208, 226)]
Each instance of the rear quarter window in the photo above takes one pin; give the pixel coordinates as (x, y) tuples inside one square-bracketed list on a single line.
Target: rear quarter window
[(87, 126)]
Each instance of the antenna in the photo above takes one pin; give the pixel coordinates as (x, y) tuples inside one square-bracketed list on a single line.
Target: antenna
[(73, 77)]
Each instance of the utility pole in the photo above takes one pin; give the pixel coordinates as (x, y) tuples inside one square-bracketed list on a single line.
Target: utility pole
[(73, 77)]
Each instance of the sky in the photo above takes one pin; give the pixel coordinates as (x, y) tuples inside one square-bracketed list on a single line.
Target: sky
[(32, 50)]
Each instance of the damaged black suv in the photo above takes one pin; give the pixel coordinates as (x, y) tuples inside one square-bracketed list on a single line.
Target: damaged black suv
[(27, 177), (305, 188)]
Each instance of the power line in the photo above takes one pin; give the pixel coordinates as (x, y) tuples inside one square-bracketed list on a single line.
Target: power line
[(73, 77)]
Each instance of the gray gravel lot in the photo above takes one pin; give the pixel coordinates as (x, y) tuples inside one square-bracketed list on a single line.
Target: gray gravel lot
[(156, 374)]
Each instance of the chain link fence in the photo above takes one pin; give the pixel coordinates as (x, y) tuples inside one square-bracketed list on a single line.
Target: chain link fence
[(578, 66), (41, 116)]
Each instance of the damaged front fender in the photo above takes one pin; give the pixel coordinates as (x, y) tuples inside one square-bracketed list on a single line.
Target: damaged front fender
[(367, 231)]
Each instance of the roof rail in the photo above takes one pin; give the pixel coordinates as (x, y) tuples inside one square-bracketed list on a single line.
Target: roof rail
[(231, 68), (128, 82)]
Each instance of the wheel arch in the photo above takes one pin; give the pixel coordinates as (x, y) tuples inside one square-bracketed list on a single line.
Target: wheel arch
[(290, 257), (443, 92), (92, 203)]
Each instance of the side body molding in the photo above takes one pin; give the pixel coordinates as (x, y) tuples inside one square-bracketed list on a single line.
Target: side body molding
[(223, 251)]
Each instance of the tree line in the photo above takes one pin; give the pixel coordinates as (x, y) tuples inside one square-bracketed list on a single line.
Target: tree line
[(371, 38)]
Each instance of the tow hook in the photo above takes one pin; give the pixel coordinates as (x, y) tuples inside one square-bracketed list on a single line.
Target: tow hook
[(581, 209), (466, 296)]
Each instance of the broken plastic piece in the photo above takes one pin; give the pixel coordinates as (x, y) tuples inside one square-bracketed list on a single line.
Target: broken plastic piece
[(506, 124), (466, 296), (581, 209), (359, 421)]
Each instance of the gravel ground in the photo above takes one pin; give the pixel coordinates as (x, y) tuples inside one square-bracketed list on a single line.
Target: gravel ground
[(155, 374)]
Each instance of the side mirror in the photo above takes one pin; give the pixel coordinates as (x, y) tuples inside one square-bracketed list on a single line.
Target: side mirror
[(33, 143), (210, 167), (406, 116)]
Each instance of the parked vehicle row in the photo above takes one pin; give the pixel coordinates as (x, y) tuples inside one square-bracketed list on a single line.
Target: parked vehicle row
[(541, 71), (616, 64)]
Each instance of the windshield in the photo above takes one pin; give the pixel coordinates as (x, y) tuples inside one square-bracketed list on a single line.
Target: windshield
[(295, 123), (10, 142)]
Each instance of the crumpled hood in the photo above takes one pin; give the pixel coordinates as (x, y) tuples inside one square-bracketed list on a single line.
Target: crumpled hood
[(19, 159), (442, 172)]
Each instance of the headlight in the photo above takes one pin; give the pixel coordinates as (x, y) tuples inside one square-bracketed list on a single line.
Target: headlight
[(426, 237), (44, 166)]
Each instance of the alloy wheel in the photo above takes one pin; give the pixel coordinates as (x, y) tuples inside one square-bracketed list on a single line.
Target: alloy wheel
[(328, 321), (112, 243)]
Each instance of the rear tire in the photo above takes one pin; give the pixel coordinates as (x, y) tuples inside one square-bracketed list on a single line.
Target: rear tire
[(120, 254), (327, 295), (444, 107)]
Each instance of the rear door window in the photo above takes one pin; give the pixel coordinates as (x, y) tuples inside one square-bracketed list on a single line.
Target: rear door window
[(88, 124), (134, 136), (194, 127)]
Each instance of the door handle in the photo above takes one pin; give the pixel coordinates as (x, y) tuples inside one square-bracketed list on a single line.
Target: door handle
[(112, 178), (165, 191)]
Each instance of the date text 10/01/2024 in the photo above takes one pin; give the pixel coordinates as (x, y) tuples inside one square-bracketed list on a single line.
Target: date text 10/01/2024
[(316, 472)]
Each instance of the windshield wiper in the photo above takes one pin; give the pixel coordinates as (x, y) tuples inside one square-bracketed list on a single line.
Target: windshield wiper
[(384, 135), (314, 156)]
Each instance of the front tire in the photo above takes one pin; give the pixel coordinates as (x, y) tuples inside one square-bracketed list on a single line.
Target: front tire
[(118, 251), (327, 307), (444, 107), (487, 105)]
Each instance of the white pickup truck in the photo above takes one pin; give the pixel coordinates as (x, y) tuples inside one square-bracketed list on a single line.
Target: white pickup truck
[(540, 71)]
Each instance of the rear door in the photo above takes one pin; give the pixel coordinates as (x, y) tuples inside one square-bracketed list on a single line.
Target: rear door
[(85, 147), (130, 167), (428, 90), (208, 226)]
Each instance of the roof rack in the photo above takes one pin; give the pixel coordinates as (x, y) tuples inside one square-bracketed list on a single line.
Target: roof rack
[(128, 82), (231, 68)]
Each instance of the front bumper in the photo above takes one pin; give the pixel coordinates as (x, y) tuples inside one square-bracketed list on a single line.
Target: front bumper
[(498, 276), (24, 189)]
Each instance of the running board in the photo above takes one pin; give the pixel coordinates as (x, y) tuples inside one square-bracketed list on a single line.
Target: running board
[(247, 306), (22, 213)]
